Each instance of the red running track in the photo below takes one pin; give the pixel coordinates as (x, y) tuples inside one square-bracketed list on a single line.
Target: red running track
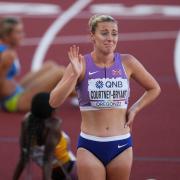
[(156, 128)]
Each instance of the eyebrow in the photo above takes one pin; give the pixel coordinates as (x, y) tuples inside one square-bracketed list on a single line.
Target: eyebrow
[(108, 30)]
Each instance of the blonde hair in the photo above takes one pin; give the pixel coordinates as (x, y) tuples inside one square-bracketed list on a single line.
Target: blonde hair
[(95, 19), (7, 25)]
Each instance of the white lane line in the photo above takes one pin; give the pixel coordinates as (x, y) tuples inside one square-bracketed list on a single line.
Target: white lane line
[(57, 25), (135, 10), (137, 36), (177, 59), (86, 14), (30, 9)]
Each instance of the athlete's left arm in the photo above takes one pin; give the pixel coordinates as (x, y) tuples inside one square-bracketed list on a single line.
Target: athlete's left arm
[(54, 134), (152, 89), (23, 160)]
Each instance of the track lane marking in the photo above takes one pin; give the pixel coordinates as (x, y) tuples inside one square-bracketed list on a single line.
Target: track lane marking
[(55, 27), (177, 59), (134, 36)]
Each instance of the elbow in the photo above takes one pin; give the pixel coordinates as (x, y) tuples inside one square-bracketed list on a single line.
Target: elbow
[(158, 90), (154, 91), (53, 100)]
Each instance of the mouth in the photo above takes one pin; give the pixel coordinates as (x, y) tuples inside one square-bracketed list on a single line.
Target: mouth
[(108, 45)]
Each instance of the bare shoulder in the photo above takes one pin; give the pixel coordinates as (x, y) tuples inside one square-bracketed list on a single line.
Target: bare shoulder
[(128, 59), (138, 72), (129, 62)]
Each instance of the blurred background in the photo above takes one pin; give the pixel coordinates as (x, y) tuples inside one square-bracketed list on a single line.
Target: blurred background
[(149, 30)]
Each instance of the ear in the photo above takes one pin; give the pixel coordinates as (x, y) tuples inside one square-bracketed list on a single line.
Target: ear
[(92, 37)]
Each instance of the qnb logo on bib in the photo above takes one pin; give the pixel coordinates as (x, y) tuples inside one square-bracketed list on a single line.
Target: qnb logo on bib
[(108, 92), (99, 84)]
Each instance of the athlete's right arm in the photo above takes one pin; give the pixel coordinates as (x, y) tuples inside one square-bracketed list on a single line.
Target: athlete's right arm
[(67, 84), (6, 60)]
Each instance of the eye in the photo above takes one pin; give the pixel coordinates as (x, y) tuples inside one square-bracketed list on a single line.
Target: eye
[(114, 34), (104, 33)]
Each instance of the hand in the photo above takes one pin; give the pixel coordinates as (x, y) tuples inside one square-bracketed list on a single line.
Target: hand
[(76, 60), (130, 117)]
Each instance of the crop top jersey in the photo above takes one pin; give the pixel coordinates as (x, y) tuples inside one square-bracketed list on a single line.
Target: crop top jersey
[(103, 88), (15, 67)]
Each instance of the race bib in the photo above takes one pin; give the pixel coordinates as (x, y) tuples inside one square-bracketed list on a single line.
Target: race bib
[(108, 92)]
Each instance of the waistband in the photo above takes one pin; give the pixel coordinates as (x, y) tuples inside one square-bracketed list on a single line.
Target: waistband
[(104, 139), (91, 108)]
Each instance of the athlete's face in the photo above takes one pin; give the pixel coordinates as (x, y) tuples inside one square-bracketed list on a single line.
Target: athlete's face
[(105, 37), (17, 35)]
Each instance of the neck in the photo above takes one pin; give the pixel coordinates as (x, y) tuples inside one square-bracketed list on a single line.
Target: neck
[(103, 58)]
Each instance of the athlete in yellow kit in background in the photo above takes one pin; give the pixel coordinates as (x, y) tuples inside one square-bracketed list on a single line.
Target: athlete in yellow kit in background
[(42, 141)]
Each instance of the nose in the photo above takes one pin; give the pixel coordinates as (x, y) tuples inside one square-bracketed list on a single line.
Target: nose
[(109, 37)]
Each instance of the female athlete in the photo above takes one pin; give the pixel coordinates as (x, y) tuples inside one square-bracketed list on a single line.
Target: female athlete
[(102, 78), (17, 95), (43, 141)]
